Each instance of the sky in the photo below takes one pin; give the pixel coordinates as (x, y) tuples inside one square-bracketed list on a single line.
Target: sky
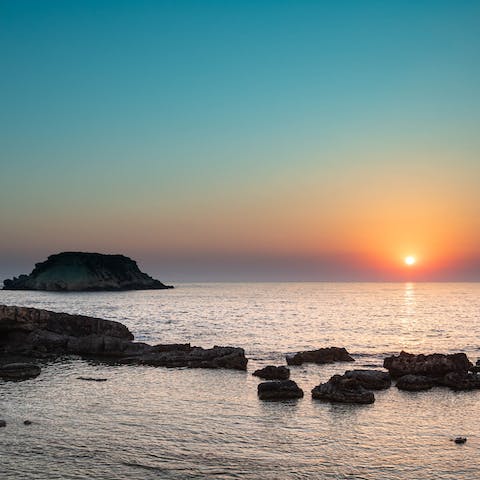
[(243, 140)]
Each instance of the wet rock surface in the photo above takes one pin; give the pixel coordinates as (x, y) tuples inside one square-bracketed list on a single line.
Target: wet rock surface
[(279, 390), (34, 333), (340, 389), (80, 271), (415, 383), (422, 372), (434, 365), (460, 381), (320, 356), (371, 379), (271, 372)]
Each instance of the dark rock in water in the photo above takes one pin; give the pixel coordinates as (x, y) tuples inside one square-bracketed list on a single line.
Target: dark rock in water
[(78, 271), (415, 383), (92, 379), (370, 379), (320, 356), (279, 390), (19, 371), (460, 381), (271, 372), (460, 440), (435, 365), (3, 423), (193, 357), (343, 390), (40, 333), (27, 422), (34, 332)]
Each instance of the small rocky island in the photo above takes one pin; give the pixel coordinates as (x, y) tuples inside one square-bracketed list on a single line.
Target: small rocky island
[(81, 272)]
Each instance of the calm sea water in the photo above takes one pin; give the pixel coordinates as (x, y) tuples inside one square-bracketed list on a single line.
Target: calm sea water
[(157, 423)]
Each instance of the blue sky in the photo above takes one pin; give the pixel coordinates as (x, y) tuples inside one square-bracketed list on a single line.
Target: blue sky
[(195, 120)]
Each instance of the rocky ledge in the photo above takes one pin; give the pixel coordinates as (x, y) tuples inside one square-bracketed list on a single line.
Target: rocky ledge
[(78, 271), (320, 356), (33, 333)]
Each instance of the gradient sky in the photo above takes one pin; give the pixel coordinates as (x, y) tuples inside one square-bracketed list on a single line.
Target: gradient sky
[(233, 140)]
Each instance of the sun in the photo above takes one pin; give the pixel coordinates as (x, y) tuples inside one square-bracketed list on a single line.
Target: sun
[(410, 260)]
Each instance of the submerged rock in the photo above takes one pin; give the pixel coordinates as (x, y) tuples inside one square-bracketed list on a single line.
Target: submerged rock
[(79, 271), (415, 383), (279, 390), (320, 356), (19, 371), (92, 379), (271, 372), (341, 389), (35, 333), (370, 379), (434, 365)]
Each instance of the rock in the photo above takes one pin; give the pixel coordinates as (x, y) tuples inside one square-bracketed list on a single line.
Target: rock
[(271, 372), (320, 356), (78, 271), (19, 371), (370, 379), (31, 331), (415, 383), (194, 357), (34, 333), (343, 390), (27, 422), (460, 381), (92, 379), (3, 423), (435, 365), (460, 440), (279, 390)]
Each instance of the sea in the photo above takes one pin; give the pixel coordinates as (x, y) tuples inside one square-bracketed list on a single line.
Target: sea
[(174, 423)]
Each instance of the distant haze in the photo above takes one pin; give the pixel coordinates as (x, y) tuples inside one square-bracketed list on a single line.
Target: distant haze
[(243, 140)]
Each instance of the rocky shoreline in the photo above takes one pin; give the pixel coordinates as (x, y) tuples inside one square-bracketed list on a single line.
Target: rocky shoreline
[(32, 333), (28, 335)]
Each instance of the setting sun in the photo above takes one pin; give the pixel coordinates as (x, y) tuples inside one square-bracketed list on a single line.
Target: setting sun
[(410, 260)]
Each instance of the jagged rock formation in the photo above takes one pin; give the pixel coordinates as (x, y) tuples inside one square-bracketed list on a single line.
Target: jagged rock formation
[(436, 364), (421, 372), (340, 389), (78, 271), (320, 356), (30, 332)]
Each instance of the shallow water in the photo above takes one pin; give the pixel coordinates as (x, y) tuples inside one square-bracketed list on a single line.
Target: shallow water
[(157, 423)]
